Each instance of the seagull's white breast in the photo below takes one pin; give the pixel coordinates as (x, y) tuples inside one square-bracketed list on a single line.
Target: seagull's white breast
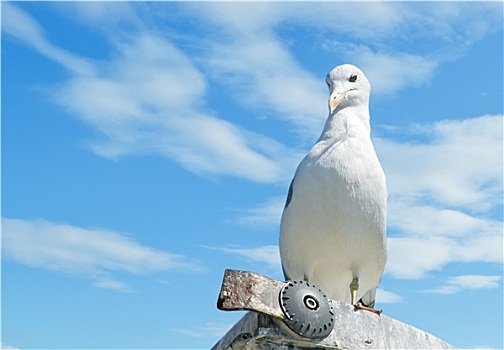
[(334, 226)]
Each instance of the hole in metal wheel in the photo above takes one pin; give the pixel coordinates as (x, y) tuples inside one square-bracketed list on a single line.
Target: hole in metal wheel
[(310, 302)]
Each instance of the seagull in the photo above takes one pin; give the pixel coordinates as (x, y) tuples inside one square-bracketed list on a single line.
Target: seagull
[(332, 232)]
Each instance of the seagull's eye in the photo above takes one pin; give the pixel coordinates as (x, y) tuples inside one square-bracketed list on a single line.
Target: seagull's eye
[(352, 78)]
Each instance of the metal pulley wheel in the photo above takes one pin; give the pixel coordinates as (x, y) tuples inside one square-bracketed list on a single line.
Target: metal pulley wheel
[(308, 311)]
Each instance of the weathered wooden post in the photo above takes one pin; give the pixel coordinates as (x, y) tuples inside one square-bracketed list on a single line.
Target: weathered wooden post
[(296, 315)]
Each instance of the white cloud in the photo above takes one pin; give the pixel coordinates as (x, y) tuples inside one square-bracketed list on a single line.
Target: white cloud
[(265, 76), (475, 281), (431, 238), (248, 55), (421, 220), (150, 99), (8, 347), (264, 214), (97, 14), (186, 332), (245, 18), (386, 297), (209, 329), (414, 257), (460, 164), (258, 58), (96, 253), (458, 283), (443, 190), (372, 21), (388, 72), (207, 144), (23, 27), (376, 21), (217, 329), (267, 254), (436, 33), (111, 284)]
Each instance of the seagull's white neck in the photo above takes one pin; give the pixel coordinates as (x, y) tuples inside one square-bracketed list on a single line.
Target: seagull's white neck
[(356, 116)]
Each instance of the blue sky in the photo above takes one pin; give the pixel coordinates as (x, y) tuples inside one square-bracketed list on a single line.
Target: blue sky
[(146, 147)]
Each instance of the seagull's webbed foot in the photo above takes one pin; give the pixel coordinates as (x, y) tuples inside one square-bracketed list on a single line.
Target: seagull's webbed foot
[(359, 306)]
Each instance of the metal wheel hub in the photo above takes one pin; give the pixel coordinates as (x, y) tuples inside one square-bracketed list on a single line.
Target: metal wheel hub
[(308, 311)]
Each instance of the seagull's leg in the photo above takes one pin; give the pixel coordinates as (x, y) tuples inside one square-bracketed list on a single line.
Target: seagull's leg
[(354, 286)]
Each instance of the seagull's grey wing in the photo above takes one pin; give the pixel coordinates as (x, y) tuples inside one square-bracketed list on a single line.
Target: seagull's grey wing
[(287, 202), (289, 195)]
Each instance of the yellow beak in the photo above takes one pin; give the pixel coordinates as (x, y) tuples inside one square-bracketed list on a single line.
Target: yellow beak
[(335, 99)]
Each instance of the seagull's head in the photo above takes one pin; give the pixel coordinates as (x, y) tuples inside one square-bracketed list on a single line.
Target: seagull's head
[(347, 86)]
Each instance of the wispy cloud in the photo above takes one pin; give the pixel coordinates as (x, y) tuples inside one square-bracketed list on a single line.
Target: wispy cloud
[(414, 257), (386, 297), (266, 77), (447, 31), (268, 255), (22, 26), (186, 332), (97, 15), (257, 63), (266, 214), (458, 162), (209, 329), (388, 72), (95, 253), (257, 60), (118, 286), (217, 329), (443, 189), (150, 99), (458, 283), (8, 347)]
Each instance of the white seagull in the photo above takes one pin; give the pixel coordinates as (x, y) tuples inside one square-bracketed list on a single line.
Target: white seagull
[(333, 225)]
